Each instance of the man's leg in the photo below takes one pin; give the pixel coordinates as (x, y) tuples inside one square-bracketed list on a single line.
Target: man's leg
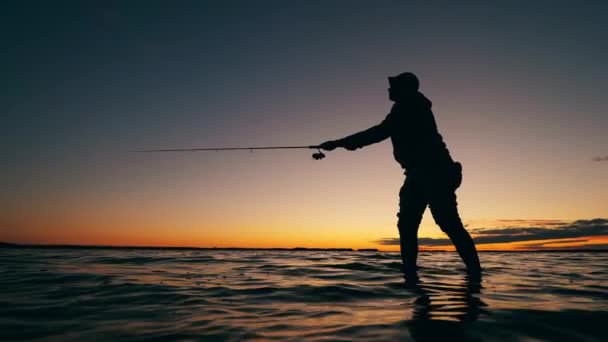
[(445, 212), (412, 203)]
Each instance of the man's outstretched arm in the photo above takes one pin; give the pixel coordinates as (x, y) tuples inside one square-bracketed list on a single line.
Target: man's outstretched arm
[(352, 142)]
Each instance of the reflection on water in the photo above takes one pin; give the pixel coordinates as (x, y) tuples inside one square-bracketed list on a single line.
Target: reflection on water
[(122, 294), (442, 311)]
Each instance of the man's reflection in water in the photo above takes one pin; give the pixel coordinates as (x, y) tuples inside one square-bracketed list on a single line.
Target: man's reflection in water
[(444, 311)]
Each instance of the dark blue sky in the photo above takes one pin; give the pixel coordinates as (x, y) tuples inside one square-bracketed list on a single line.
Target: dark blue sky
[(515, 84)]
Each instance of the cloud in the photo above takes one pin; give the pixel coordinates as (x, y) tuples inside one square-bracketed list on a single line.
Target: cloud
[(598, 246), (573, 230), (535, 223), (600, 159), (551, 244)]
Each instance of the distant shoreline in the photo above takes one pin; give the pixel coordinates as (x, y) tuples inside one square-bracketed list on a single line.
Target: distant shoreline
[(295, 249)]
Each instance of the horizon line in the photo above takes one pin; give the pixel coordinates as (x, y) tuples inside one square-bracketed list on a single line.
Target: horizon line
[(295, 249)]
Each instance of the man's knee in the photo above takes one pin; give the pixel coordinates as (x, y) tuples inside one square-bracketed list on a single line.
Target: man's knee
[(408, 222), (447, 218), (448, 221), (445, 213)]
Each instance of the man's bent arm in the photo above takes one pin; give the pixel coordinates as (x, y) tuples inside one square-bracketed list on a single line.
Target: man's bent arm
[(369, 136)]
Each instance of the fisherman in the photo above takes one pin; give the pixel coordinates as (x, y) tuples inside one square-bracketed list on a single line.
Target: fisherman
[(432, 175)]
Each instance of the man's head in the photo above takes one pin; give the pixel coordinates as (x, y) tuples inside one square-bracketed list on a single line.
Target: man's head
[(402, 85)]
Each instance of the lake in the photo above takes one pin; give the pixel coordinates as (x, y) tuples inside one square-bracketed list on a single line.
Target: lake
[(114, 294)]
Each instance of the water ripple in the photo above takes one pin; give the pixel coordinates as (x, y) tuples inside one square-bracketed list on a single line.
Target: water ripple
[(115, 294)]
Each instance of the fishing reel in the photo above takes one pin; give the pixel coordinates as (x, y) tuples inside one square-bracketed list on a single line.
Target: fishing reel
[(319, 155)]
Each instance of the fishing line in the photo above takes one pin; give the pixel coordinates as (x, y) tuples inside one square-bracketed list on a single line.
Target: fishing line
[(317, 156)]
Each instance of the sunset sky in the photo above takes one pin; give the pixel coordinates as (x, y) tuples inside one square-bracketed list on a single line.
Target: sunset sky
[(518, 90)]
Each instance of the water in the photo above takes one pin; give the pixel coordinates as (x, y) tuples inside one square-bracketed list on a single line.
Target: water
[(156, 294)]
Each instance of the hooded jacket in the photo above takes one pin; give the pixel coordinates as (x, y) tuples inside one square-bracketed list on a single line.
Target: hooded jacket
[(417, 144)]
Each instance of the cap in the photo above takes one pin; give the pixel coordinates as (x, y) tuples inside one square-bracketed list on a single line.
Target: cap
[(405, 81)]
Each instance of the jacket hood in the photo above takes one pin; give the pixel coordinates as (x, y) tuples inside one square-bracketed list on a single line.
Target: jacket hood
[(416, 99), (424, 101)]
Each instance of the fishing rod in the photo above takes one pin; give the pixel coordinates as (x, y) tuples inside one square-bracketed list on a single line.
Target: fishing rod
[(317, 156)]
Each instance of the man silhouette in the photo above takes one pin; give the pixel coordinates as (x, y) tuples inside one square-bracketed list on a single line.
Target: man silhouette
[(432, 175)]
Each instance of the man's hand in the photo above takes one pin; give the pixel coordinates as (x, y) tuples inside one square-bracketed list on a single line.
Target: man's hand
[(330, 145)]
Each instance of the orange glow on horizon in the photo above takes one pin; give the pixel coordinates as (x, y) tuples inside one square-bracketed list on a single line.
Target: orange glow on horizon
[(253, 237)]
